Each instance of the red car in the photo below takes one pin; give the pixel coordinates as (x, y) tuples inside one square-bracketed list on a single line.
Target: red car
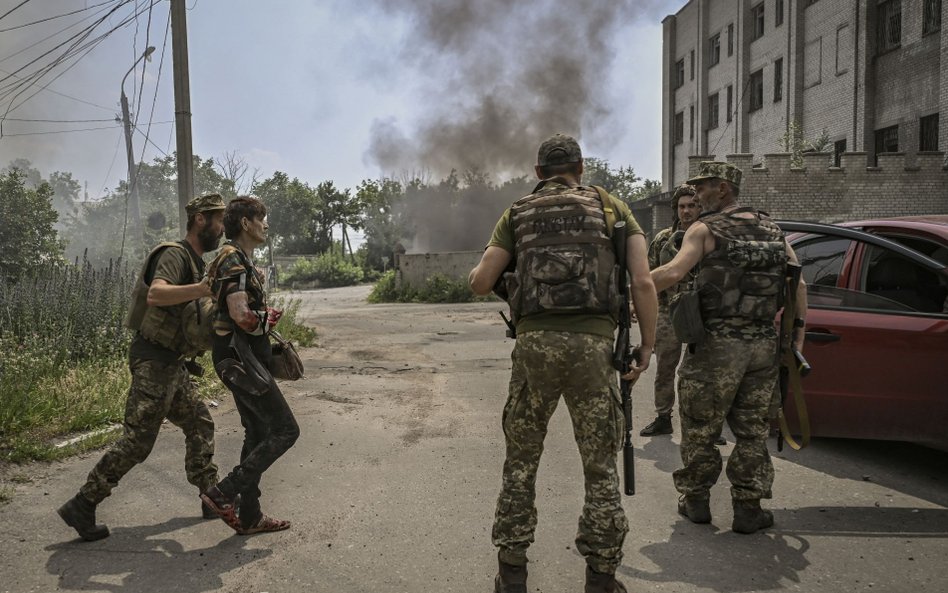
[(877, 328)]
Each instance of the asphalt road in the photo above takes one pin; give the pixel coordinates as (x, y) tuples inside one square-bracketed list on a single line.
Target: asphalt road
[(392, 486)]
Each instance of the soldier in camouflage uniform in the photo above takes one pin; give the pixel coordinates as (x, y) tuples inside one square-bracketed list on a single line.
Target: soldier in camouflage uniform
[(563, 296), (241, 358), (662, 250), (170, 279), (732, 373)]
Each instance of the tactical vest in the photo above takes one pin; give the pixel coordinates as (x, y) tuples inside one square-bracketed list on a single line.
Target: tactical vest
[(245, 275), (668, 251), (742, 279), (183, 328), (565, 259)]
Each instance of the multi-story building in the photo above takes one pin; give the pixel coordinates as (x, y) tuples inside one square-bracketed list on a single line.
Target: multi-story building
[(741, 75)]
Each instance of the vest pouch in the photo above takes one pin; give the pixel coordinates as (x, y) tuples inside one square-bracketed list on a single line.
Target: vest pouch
[(761, 284), (685, 312), (513, 295), (198, 323), (559, 278), (136, 312)]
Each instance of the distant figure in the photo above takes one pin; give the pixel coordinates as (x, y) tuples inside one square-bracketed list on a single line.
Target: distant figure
[(667, 347), (171, 277), (565, 310), (731, 374), (241, 357)]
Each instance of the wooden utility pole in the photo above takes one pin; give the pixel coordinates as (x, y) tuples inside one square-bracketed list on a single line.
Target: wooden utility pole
[(182, 107)]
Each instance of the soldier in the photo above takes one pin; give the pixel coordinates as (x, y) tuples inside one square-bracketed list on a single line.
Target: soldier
[(667, 347), (162, 312), (565, 307), (732, 373)]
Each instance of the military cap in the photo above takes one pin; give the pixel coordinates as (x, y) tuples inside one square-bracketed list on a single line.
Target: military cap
[(559, 149), (716, 170), (205, 203), (683, 190)]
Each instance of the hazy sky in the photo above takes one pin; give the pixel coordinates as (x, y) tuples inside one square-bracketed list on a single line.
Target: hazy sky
[(345, 91)]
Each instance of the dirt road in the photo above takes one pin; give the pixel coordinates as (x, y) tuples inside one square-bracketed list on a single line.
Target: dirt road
[(392, 485)]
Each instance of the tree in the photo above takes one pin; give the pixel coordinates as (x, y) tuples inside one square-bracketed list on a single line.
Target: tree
[(794, 141), (27, 237), (293, 210), (383, 227), (623, 183)]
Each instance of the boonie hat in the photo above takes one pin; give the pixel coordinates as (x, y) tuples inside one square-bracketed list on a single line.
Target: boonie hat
[(559, 149), (716, 170), (205, 203)]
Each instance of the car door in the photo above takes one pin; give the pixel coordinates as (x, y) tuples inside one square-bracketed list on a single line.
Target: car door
[(877, 338)]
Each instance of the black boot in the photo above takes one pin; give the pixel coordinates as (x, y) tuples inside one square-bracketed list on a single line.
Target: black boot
[(510, 578), (600, 582), (749, 517), (207, 512), (661, 425), (79, 514), (696, 508)]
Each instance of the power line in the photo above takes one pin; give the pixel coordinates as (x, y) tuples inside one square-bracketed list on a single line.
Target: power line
[(58, 16), (7, 13), (47, 38), (46, 88), (141, 86), (60, 131), (59, 121)]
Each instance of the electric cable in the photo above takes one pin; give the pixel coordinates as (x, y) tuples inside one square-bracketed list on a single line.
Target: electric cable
[(58, 16)]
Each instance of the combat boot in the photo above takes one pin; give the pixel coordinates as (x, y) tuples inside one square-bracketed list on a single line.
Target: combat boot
[(510, 578), (600, 582), (749, 517), (661, 425), (696, 508), (79, 514)]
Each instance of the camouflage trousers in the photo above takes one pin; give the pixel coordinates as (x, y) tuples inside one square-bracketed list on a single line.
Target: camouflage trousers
[(667, 357), (727, 378), (549, 365), (159, 390)]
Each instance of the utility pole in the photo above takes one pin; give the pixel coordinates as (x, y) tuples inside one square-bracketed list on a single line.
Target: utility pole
[(182, 107), (136, 213)]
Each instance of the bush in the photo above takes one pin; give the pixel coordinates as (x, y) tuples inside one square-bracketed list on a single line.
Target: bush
[(329, 269), (437, 289)]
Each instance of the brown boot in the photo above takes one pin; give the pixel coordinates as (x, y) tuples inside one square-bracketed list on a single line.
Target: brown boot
[(749, 517), (696, 508), (510, 578), (600, 582), (79, 514)]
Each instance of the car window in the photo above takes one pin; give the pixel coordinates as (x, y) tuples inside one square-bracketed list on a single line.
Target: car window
[(932, 249), (886, 274), (834, 297), (822, 259)]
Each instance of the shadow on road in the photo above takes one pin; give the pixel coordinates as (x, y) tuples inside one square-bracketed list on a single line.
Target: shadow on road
[(903, 467), (863, 522), (138, 559), (707, 558)]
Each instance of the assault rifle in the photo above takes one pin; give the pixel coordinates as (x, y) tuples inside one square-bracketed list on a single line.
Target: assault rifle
[(624, 354), (793, 366)]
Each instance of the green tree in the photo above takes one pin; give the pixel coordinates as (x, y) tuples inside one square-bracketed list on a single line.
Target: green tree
[(292, 210), (623, 183), (794, 141), (381, 223), (27, 237)]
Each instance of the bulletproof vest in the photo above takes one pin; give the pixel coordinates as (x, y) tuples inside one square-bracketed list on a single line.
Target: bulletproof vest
[(183, 328), (565, 261), (742, 279), (225, 269), (669, 250)]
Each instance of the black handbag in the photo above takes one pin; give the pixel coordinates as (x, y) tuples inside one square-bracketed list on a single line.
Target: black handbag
[(285, 362)]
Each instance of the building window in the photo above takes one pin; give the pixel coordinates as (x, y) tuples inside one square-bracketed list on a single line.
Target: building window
[(778, 80), (928, 132), (839, 147), (678, 134), (730, 103), (889, 26), (692, 71), (778, 13), (887, 140), (844, 49), (931, 19), (757, 21), (691, 122), (730, 40), (679, 73), (713, 108), (714, 50), (756, 84)]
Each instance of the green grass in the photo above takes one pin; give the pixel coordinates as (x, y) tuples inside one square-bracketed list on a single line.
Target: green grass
[(438, 288)]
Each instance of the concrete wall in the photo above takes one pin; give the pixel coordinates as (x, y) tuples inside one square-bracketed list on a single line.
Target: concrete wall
[(833, 78), (415, 268)]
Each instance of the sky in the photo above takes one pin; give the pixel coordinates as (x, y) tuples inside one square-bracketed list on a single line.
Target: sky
[(342, 91)]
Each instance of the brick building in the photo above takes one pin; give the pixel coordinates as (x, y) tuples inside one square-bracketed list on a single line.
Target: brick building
[(873, 74)]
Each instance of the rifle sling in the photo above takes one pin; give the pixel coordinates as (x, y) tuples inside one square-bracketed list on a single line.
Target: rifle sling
[(793, 377)]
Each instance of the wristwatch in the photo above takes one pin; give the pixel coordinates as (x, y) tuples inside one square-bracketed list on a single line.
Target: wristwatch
[(799, 322)]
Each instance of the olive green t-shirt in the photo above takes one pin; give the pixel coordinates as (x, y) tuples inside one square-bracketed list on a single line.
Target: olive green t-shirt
[(599, 324), (173, 266)]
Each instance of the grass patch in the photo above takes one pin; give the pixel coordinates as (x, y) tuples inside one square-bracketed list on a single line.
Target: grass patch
[(6, 494), (438, 288)]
